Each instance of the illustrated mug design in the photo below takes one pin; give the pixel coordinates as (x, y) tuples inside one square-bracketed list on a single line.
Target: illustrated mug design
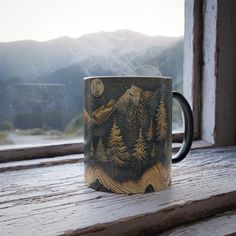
[(127, 133)]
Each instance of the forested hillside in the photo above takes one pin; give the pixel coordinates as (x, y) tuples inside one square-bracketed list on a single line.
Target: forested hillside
[(41, 82)]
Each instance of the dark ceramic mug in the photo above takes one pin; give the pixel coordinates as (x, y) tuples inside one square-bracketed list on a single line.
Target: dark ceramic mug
[(127, 127)]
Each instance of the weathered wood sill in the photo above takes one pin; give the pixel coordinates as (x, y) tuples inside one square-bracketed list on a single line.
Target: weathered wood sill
[(51, 198)]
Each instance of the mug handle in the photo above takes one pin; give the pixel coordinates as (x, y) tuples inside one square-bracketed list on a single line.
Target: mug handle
[(188, 129)]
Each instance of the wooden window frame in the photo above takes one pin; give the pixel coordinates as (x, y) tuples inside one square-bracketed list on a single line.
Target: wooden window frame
[(193, 60), (19, 152), (202, 63), (210, 61)]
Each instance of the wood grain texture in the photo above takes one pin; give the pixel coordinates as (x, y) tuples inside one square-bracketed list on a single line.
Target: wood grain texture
[(225, 70), (157, 176), (29, 152), (42, 162), (224, 224), (54, 200), (197, 64)]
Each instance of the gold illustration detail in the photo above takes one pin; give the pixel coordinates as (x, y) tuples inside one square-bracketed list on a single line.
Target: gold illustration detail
[(142, 114), (117, 151), (87, 118), (91, 152), (161, 121), (104, 112), (101, 152), (140, 150), (165, 150), (147, 95), (158, 176), (130, 124), (132, 94), (140, 153), (154, 152), (101, 114), (150, 132), (97, 88)]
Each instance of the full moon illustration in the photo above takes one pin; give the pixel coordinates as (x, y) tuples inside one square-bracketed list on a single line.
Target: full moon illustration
[(97, 88)]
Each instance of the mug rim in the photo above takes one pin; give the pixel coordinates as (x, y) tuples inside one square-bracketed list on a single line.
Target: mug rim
[(127, 77)]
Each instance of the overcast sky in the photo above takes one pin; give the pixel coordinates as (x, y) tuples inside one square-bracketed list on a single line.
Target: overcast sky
[(47, 19)]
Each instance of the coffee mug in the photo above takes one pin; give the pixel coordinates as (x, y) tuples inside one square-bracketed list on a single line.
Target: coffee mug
[(128, 133)]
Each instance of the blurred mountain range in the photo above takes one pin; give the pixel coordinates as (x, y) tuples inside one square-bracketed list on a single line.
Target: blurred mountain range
[(41, 82)]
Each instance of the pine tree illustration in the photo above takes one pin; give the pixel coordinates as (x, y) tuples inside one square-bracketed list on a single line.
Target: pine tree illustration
[(140, 152), (154, 152), (142, 114), (161, 121), (117, 151), (150, 132), (91, 152), (130, 123), (165, 150), (101, 153)]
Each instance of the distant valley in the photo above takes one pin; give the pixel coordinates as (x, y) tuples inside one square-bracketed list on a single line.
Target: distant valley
[(41, 82)]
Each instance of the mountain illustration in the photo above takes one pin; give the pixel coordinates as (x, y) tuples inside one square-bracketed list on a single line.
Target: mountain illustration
[(132, 94), (101, 114), (153, 100)]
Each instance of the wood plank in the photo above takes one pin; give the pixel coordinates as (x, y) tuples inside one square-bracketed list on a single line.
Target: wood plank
[(42, 162), (193, 59), (29, 152), (24, 154), (11, 153), (198, 144), (54, 200), (224, 224)]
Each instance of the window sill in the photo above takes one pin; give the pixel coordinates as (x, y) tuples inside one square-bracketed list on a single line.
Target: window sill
[(198, 144), (29, 152), (221, 224), (54, 200), (22, 152)]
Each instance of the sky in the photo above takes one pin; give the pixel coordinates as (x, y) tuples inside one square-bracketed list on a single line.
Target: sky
[(43, 20)]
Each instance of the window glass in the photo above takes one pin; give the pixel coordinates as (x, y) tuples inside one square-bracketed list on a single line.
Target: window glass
[(47, 47)]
